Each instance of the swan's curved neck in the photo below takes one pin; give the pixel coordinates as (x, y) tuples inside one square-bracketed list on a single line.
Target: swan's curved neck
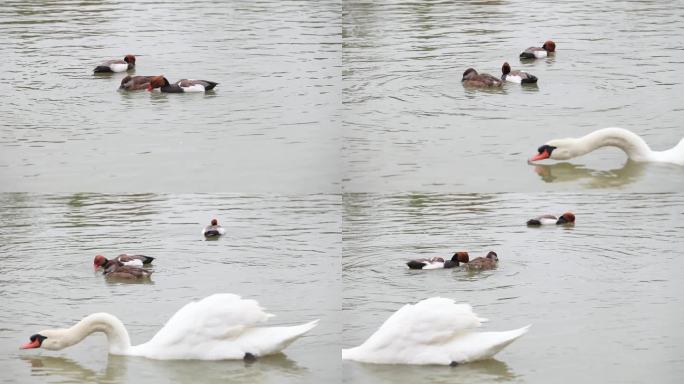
[(117, 336), (634, 146)]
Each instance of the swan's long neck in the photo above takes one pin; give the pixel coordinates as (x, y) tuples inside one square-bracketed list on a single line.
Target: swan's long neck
[(634, 146), (117, 336)]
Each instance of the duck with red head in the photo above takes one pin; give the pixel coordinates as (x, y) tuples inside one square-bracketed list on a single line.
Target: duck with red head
[(135, 83), (566, 218), (213, 229), (122, 260), (438, 262), (518, 77), (473, 79), (124, 65), (480, 263), (181, 86), (545, 50)]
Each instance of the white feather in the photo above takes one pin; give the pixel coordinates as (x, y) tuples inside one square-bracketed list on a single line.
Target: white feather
[(433, 331), (514, 79), (194, 88), (119, 67), (540, 54), (133, 263)]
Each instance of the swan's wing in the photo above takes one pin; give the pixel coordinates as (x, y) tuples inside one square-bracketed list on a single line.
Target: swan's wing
[(431, 321), (221, 316)]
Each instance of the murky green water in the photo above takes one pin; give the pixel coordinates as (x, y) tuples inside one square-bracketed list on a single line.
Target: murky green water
[(282, 251), (603, 297)]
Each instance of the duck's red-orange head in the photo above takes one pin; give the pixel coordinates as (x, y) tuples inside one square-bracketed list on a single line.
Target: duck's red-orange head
[(549, 46), (566, 218), (214, 222), (99, 262), (461, 256), (506, 69), (157, 82), (130, 59)]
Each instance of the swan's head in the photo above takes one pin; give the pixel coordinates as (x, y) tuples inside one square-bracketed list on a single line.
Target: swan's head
[(559, 149), (566, 218), (493, 256), (214, 222), (469, 73), (48, 339), (549, 46), (460, 257), (99, 262)]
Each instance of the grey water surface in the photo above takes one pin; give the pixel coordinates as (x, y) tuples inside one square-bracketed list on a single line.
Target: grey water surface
[(272, 123), (603, 297), (282, 251), (409, 124)]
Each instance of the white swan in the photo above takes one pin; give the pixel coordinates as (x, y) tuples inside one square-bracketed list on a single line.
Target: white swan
[(634, 146), (220, 326), (433, 331)]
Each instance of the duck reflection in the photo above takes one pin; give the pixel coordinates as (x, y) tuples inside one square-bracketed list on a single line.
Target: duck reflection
[(595, 179)]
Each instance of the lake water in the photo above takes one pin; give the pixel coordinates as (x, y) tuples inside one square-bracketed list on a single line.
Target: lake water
[(603, 297), (282, 251), (272, 124), (409, 124)]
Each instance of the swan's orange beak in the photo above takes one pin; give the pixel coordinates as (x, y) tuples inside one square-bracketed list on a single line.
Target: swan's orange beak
[(32, 344), (541, 156)]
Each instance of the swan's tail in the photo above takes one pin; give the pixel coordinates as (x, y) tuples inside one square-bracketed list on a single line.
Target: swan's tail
[(487, 344), (263, 341)]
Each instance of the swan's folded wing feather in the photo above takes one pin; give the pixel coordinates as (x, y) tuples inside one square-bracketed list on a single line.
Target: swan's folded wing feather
[(216, 317), (431, 321)]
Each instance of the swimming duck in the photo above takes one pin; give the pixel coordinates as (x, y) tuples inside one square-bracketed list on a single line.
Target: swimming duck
[(634, 146), (180, 86), (213, 230), (480, 263), (539, 52), (124, 65), (566, 218), (123, 260), (519, 77), (135, 83), (473, 79), (433, 331), (438, 262)]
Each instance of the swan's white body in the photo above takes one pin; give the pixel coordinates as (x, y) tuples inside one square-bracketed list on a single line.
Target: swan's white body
[(634, 146), (433, 331), (220, 326)]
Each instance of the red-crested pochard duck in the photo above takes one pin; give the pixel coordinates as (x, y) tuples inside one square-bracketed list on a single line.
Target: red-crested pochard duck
[(539, 52), (487, 262), (124, 65), (473, 79), (135, 83), (566, 218), (180, 86), (122, 260), (519, 77), (439, 262), (213, 229)]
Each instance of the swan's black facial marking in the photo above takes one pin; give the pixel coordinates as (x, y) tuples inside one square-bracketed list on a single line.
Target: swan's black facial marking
[(39, 337), (546, 148)]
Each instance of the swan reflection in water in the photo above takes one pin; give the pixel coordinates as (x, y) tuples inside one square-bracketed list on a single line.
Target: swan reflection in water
[(630, 172), (484, 371), (164, 371)]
